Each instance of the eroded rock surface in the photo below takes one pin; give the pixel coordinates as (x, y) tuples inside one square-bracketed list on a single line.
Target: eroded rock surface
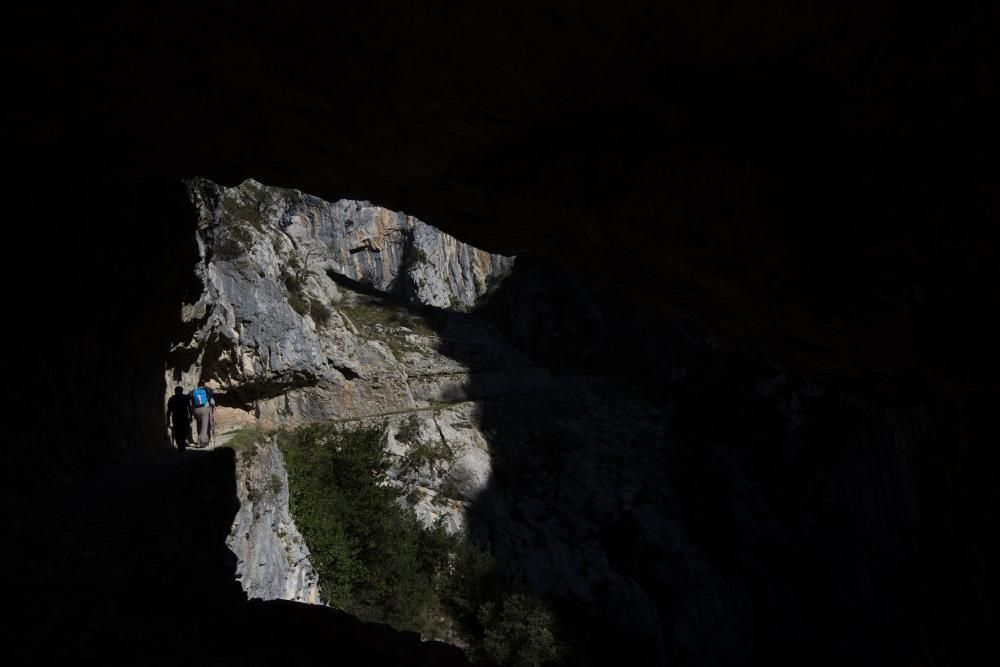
[(272, 558), (281, 335)]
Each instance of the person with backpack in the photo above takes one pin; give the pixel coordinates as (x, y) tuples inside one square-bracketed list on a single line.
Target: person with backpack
[(179, 418), (203, 407)]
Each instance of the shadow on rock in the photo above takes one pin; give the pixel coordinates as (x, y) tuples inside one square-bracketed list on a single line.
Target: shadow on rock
[(693, 504)]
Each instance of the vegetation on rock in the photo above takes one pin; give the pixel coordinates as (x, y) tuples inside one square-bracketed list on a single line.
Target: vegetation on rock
[(233, 242), (320, 312), (377, 561), (414, 257)]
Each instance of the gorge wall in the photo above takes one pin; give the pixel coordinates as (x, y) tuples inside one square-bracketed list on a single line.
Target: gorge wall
[(660, 491)]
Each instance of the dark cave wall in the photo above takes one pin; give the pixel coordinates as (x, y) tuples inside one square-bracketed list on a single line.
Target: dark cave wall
[(815, 188), (100, 268)]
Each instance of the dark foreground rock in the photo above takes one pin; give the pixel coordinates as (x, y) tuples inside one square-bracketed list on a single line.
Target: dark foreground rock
[(131, 566)]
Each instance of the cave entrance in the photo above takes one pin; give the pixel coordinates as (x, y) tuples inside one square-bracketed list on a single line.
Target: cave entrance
[(354, 322)]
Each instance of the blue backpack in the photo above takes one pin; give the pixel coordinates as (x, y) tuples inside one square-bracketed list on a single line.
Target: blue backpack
[(199, 397)]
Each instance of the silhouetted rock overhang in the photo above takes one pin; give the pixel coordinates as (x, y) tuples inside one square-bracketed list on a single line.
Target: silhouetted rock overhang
[(809, 183)]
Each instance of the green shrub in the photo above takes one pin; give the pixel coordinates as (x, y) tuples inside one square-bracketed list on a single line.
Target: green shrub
[(518, 632), (298, 304), (414, 496), (247, 205), (320, 312), (426, 454), (421, 454), (377, 561), (350, 521), (233, 242), (450, 489), (276, 246), (275, 484), (294, 281), (409, 431), (295, 276), (413, 257)]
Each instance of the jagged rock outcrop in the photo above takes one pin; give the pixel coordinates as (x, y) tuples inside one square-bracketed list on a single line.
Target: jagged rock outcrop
[(280, 334), (385, 250), (272, 558)]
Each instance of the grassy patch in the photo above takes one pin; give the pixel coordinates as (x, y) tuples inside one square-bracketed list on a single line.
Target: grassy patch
[(369, 314), (247, 440), (382, 320), (372, 312)]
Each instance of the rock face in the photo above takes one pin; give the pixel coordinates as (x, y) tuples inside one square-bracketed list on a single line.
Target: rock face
[(316, 311), (281, 335), (273, 560), (387, 251)]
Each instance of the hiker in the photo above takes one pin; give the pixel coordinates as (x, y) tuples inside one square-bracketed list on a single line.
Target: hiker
[(203, 406), (179, 418)]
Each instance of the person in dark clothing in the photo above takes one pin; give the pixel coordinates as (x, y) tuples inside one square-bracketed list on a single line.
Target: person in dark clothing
[(179, 418)]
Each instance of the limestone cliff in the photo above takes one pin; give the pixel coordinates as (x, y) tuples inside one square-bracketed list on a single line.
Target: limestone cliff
[(279, 333), (272, 558), (317, 311)]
